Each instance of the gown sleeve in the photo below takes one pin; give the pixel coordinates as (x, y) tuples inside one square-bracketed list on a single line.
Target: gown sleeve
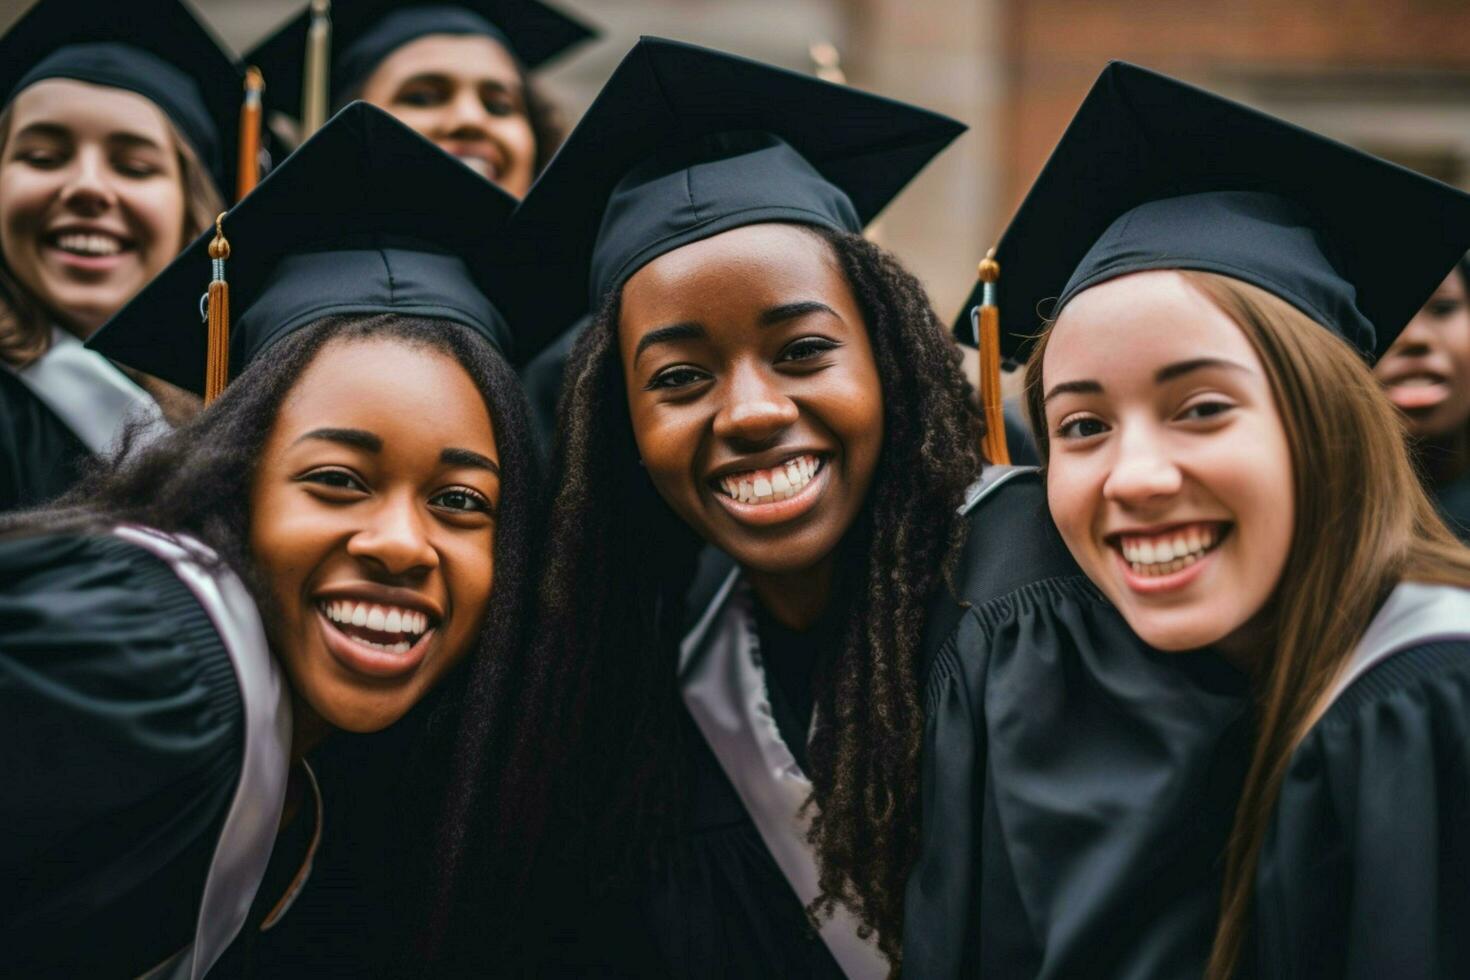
[(122, 734), (1078, 787), (1365, 868), (40, 458)]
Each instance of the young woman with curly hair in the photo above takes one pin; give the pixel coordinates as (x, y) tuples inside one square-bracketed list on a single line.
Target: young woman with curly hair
[(338, 546), (1224, 468)]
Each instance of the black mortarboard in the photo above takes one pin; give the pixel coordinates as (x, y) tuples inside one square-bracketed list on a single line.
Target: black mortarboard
[(1156, 174), (365, 217), (684, 143), (364, 32), (156, 48)]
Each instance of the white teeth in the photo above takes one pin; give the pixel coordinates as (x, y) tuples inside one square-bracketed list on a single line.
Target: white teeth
[(379, 618), (1168, 554), (85, 244), (780, 482)]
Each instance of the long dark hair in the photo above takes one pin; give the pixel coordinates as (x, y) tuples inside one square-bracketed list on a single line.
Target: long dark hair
[(195, 481), (612, 604)]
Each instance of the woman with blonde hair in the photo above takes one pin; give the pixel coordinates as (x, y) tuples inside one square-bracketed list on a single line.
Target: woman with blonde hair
[(1223, 466), (116, 134)]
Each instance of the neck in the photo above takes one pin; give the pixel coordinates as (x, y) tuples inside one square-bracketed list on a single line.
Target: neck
[(308, 729), (796, 600), (1446, 456)]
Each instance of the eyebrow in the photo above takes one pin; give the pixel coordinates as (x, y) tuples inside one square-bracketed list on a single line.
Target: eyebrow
[(58, 131), (356, 438), (1168, 372), (468, 457), (668, 335), (791, 311)]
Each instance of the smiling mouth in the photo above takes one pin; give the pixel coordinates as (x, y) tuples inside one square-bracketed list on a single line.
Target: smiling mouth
[(392, 629), (767, 486), (485, 168), (88, 244), (1170, 551)]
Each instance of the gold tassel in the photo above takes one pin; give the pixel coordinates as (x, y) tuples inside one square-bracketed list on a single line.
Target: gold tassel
[(986, 318), (248, 173), (217, 363), (314, 74)]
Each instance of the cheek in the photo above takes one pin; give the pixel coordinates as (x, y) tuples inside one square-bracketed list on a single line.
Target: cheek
[(287, 540), (22, 205), (1072, 495), (158, 210), (469, 571)]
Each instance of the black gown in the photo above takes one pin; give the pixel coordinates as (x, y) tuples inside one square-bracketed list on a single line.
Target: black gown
[(1365, 869), (124, 734), (1453, 501), (1078, 787), (40, 458), (718, 906)]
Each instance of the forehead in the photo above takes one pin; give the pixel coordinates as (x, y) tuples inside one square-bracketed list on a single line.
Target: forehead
[(751, 266), (82, 106), (1135, 324), (466, 56), (392, 388)]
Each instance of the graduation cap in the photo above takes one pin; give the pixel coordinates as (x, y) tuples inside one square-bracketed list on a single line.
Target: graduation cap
[(156, 48), (364, 32), (684, 143), (1156, 174), (366, 217)]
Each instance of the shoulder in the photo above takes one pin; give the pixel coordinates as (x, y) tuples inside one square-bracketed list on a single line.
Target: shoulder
[(101, 644), (1421, 681)]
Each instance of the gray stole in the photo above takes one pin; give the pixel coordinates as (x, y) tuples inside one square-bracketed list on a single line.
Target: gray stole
[(249, 831), (91, 397), (724, 688), (1414, 614)]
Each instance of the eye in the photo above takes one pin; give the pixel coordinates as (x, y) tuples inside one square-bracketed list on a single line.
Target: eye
[(334, 479), (42, 159), (1081, 427), (1441, 308), (806, 348), (462, 500), (500, 105), (420, 96), (677, 376), (135, 168), (1205, 409)]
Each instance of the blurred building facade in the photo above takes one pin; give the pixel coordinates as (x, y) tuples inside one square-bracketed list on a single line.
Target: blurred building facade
[(1392, 78)]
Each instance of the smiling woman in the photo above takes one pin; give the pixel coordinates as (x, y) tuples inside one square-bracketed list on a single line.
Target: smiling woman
[(1222, 465), (456, 73), (339, 544), (110, 158)]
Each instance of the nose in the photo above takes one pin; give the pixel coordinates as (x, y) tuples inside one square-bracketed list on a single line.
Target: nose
[(465, 116), (1143, 472), (395, 539), (88, 189), (755, 409), (1415, 339)]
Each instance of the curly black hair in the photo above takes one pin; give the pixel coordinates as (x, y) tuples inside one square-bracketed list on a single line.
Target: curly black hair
[(611, 606), (195, 481)]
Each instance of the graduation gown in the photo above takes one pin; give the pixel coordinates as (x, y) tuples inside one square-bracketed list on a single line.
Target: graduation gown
[(144, 762), (67, 405), (1365, 868), (1453, 501), (1078, 787)]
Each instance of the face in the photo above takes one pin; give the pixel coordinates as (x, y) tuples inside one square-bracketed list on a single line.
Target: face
[(753, 392), (1427, 370), (1170, 475), (465, 94), (373, 518), (91, 198)]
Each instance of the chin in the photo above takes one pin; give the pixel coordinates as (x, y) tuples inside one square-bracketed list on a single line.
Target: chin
[(1177, 632), (340, 711)]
